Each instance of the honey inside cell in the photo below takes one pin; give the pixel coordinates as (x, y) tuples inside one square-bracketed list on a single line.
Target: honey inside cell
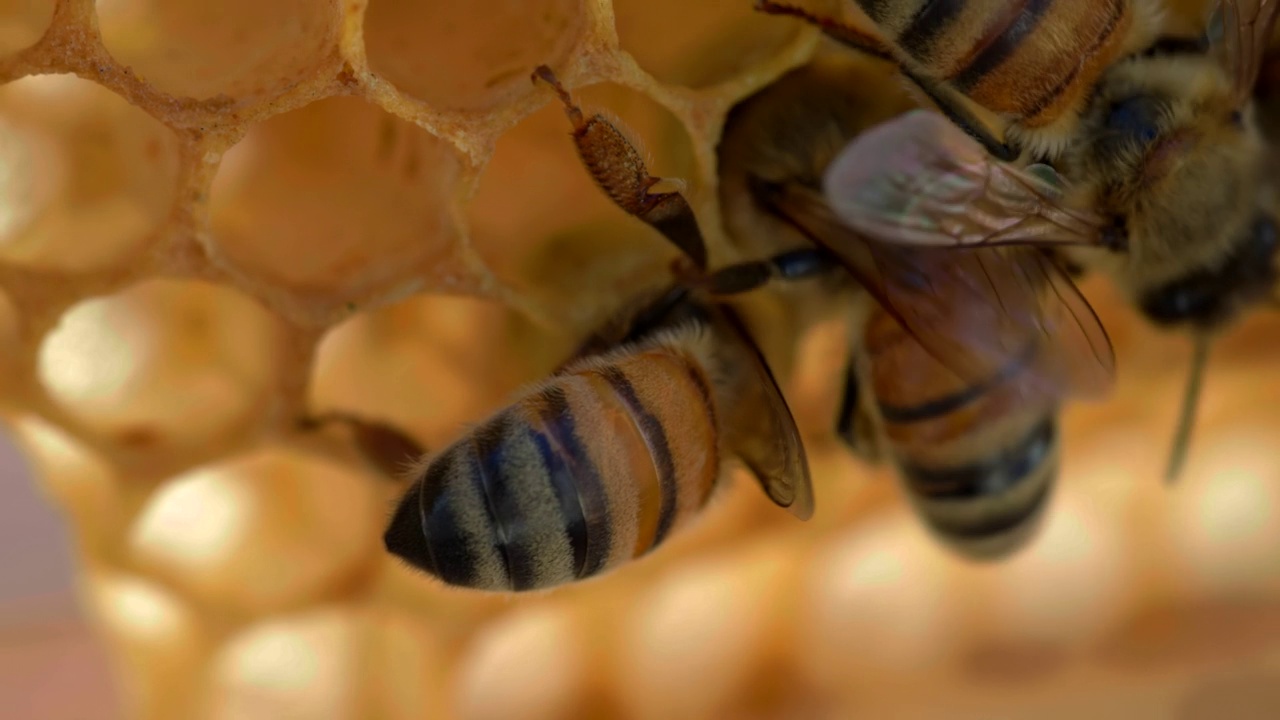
[(467, 54), (241, 49), (164, 364), (700, 44), (337, 197), (430, 365), (78, 161), (22, 22), (545, 229)]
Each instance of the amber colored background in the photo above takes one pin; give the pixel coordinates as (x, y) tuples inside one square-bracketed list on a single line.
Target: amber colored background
[(215, 218)]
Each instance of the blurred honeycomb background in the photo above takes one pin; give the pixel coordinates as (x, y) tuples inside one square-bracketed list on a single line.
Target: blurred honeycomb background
[(216, 218)]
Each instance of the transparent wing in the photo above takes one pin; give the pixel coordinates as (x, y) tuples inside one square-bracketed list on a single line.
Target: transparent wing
[(1240, 31), (976, 310), (772, 449), (919, 180)]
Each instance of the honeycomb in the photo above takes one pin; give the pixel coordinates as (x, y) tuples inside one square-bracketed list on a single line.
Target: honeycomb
[(243, 213)]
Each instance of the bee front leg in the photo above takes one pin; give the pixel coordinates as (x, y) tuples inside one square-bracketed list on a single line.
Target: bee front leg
[(842, 32), (861, 41), (746, 276), (616, 166)]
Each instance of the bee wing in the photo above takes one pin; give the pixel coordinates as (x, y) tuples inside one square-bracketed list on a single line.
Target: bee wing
[(1241, 30), (774, 452), (973, 310), (919, 180), (987, 312)]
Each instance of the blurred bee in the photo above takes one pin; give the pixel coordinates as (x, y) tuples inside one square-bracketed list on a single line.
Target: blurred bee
[(963, 357), (1155, 132), (603, 461)]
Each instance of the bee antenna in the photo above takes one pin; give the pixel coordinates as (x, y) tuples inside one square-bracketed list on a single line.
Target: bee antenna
[(1190, 403)]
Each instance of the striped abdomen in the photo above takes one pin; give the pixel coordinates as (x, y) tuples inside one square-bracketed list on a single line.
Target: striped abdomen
[(978, 463), (1032, 59), (591, 469)]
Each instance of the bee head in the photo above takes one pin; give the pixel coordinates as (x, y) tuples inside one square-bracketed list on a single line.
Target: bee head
[(1209, 298)]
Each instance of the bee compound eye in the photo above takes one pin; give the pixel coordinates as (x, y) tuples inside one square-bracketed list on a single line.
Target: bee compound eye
[(1137, 117)]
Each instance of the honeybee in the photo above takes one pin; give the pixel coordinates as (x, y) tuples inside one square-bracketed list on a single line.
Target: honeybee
[(1155, 133), (962, 357), (622, 445), (967, 354)]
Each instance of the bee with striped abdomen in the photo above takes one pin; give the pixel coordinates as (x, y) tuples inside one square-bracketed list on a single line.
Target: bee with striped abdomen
[(603, 461), (1154, 132), (962, 357)]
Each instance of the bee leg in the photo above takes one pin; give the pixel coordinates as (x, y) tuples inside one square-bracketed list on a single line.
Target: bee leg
[(854, 425), (1178, 45), (954, 109), (843, 33), (616, 166), (793, 265), (390, 450), (855, 39)]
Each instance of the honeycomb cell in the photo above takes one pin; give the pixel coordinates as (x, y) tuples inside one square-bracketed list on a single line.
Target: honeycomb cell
[(76, 162), (160, 642), (881, 585), (164, 363), (83, 485), (241, 49), (700, 44), (1066, 590), (1225, 518), (468, 55), (1241, 695), (338, 196), (698, 633), (543, 226), (22, 22), (429, 364), (260, 533), (331, 663), (530, 664), (10, 341)]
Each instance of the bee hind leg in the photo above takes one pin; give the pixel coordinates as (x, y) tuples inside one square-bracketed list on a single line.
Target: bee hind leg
[(619, 170), (389, 449)]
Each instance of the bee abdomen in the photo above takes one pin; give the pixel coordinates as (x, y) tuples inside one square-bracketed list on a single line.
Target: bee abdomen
[(989, 506), (511, 507), (561, 486), (1028, 58)]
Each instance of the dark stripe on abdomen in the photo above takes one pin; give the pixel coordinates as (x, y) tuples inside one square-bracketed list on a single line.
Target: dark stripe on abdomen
[(656, 439), (920, 36), (936, 408), (988, 476), (1118, 9), (576, 481), (509, 527), (448, 554), (1002, 46), (565, 487), (876, 9)]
